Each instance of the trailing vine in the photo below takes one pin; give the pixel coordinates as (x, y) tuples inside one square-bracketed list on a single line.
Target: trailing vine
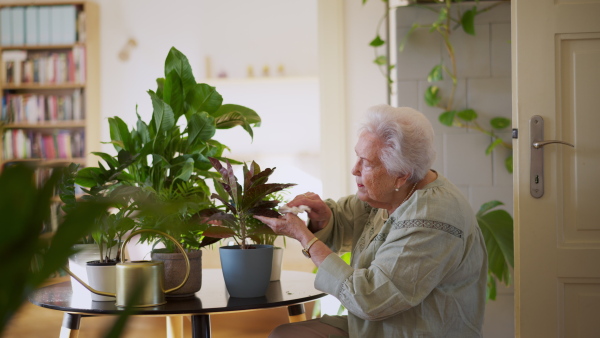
[(450, 17)]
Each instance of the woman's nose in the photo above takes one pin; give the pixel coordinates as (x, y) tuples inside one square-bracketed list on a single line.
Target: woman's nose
[(355, 170)]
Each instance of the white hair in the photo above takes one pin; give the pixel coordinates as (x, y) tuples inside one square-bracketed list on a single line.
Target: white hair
[(407, 136)]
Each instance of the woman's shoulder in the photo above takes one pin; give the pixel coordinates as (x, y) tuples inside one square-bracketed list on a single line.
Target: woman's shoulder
[(440, 202)]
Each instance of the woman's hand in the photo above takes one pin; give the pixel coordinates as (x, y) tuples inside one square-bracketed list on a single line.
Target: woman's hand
[(319, 213), (288, 225), (292, 226)]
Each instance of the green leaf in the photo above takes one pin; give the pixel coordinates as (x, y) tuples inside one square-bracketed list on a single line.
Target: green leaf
[(497, 229), (467, 115), (231, 120), (436, 74), (491, 287), (163, 116), (201, 127), (441, 19), (249, 114), (508, 163), (203, 97), (493, 145), (488, 206), (111, 161), (173, 93), (468, 21), (500, 122), (88, 177), (447, 118), (179, 62), (381, 60), (432, 96), (119, 132), (143, 132), (377, 42), (402, 43), (186, 170)]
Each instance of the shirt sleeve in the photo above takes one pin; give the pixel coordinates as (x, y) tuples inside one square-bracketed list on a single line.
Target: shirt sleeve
[(349, 214), (408, 265)]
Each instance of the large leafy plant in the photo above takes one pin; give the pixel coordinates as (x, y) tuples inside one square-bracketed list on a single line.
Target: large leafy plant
[(30, 258), (241, 202), (167, 157)]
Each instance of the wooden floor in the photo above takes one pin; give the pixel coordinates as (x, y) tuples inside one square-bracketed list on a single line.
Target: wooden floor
[(33, 321)]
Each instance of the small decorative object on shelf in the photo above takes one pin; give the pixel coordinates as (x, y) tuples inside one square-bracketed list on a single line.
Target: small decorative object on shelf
[(265, 70)]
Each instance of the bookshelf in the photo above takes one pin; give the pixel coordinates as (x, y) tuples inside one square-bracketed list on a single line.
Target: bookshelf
[(49, 84)]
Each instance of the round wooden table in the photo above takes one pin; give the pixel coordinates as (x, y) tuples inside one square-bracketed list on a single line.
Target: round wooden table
[(293, 290)]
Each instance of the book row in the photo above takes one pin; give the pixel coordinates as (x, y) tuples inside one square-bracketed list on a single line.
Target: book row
[(36, 108), (29, 144), (41, 25), (60, 67)]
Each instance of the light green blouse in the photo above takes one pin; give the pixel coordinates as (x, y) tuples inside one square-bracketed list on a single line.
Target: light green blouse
[(421, 272)]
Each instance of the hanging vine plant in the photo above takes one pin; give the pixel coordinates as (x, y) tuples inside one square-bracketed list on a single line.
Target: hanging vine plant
[(450, 17)]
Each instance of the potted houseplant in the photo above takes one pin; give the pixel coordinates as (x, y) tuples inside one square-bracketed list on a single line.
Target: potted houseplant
[(246, 267), (269, 238), (169, 163), (111, 226)]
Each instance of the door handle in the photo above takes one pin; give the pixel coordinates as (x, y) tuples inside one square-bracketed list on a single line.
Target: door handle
[(538, 145), (536, 177)]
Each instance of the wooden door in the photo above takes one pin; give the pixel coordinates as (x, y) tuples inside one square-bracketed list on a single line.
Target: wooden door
[(556, 75)]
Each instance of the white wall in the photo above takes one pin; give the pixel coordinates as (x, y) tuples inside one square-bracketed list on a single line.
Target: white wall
[(234, 34)]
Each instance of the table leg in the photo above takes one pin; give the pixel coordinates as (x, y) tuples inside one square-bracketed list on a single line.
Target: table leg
[(296, 313), (174, 326), (70, 325), (200, 326)]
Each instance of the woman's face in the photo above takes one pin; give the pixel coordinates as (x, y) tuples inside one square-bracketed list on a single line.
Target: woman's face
[(375, 185)]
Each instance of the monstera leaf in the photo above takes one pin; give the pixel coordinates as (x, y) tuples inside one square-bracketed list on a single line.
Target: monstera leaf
[(497, 229)]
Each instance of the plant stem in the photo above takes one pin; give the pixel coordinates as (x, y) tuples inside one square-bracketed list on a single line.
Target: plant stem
[(243, 230)]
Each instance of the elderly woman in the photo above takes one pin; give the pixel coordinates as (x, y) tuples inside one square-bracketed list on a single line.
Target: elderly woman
[(419, 263)]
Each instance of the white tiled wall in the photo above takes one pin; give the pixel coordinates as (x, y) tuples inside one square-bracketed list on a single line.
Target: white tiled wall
[(484, 84)]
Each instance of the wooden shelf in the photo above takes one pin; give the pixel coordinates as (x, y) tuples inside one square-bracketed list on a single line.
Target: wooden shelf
[(49, 162), (37, 86), (46, 125), (41, 47)]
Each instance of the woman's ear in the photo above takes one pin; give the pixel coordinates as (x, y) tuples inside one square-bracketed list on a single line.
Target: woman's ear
[(401, 180)]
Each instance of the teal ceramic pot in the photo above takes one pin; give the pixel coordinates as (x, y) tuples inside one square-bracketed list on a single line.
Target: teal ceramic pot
[(247, 273)]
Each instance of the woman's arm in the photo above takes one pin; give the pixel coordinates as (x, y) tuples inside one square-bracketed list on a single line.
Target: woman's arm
[(407, 267)]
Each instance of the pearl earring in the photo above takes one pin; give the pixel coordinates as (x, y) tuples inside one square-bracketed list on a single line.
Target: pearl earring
[(397, 189)]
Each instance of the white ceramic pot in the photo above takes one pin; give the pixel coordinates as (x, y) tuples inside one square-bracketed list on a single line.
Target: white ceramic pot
[(277, 261), (77, 265), (102, 277)]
